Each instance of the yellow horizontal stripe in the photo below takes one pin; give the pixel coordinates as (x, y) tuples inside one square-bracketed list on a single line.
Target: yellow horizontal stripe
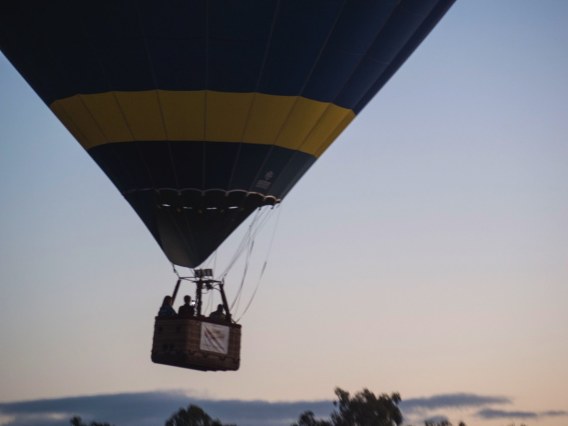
[(291, 122)]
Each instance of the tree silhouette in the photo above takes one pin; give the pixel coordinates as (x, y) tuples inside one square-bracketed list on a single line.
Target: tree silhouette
[(193, 416), (362, 409), (437, 423), (365, 409), (441, 423), (307, 419), (77, 421)]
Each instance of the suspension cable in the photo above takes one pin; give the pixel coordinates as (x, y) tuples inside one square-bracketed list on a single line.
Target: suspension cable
[(239, 291), (245, 241), (247, 245), (264, 265)]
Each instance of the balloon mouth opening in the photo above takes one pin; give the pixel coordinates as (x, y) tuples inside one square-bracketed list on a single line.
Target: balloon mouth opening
[(207, 200), (189, 225)]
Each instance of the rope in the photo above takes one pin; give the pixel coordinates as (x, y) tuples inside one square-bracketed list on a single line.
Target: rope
[(251, 231), (239, 291), (247, 244), (264, 265)]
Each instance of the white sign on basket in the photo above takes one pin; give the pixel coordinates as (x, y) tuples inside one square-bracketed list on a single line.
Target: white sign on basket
[(214, 338)]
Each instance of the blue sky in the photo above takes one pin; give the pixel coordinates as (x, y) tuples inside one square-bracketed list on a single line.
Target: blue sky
[(425, 252)]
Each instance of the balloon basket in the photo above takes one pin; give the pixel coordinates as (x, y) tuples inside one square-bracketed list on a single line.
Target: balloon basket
[(197, 343)]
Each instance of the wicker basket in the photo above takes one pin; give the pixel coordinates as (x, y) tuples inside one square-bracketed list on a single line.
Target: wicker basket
[(197, 343)]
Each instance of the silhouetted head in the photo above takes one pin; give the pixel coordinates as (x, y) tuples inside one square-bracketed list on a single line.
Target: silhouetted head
[(220, 308), (167, 301), (187, 299)]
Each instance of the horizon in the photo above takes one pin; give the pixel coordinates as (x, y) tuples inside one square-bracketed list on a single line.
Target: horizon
[(116, 409)]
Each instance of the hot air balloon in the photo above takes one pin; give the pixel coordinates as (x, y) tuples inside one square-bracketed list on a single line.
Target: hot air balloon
[(202, 111)]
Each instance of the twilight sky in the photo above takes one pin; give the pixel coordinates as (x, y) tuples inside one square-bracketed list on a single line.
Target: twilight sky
[(425, 253)]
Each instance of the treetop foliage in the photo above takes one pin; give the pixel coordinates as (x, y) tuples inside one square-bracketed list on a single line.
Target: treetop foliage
[(77, 421), (362, 409), (193, 416)]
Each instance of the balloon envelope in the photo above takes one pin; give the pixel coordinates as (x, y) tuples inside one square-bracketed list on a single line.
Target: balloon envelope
[(202, 111)]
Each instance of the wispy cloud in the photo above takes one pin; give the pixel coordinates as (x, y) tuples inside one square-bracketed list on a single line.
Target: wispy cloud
[(422, 408), (417, 410), (490, 413), (121, 409), (454, 400), (554, 413)]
